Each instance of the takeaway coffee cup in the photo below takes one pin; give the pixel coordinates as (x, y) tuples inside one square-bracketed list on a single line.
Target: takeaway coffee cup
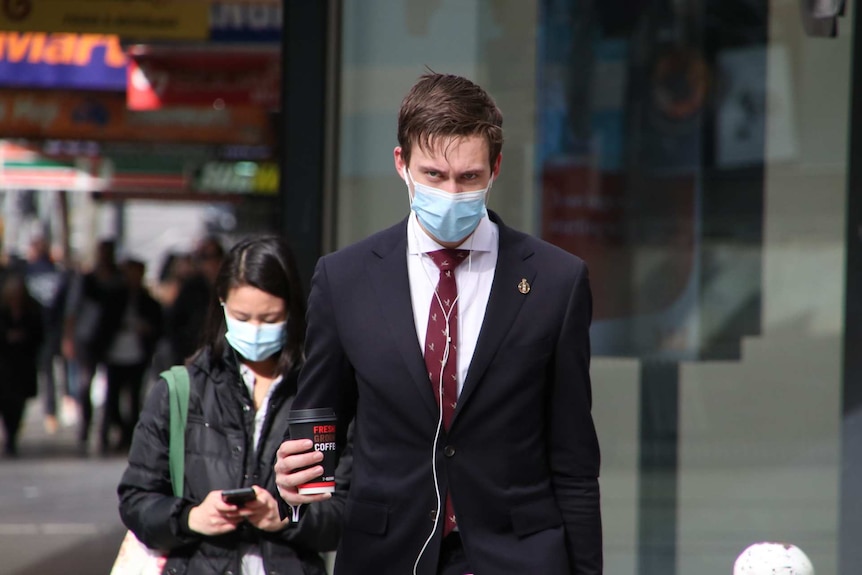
[(318, 425)]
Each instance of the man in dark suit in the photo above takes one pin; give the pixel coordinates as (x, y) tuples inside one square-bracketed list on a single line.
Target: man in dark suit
[(451, 307)]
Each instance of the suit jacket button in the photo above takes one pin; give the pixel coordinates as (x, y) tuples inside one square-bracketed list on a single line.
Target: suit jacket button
[(448, 451), (433, 515)]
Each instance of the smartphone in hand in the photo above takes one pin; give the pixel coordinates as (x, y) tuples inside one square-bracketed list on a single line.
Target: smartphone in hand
[(238, 497)]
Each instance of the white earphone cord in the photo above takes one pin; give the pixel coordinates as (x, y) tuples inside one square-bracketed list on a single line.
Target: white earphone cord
[(437, 511), (446, 316)]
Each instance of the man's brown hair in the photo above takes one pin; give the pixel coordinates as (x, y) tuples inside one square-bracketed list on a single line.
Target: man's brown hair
[(445, 105)]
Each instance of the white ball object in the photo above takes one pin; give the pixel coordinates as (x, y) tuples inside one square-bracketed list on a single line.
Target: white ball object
[(773, 559)]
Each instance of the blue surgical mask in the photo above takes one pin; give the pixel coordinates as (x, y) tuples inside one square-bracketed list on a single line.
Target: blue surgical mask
[(446, 216), (254, 342)]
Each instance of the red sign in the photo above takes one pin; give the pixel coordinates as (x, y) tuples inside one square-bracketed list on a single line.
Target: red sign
[(204, 78), (591, 214)]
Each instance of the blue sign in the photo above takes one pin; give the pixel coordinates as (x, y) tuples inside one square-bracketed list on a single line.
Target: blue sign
[(77, 61), (246, 22)]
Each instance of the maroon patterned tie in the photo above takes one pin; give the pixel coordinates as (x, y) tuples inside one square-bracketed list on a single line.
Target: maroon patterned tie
[(435, 344)]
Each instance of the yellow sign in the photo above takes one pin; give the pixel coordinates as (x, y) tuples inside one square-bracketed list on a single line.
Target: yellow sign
[(130, 19)]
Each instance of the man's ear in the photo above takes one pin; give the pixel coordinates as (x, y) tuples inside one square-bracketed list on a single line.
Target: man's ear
[(495, 169), (400, 165)]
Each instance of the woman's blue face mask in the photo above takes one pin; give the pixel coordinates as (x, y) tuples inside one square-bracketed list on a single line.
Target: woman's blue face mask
[(449, 217), (254, 342)]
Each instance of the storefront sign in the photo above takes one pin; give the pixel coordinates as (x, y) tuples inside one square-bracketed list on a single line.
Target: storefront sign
[(204, 78), (238, 178), (94, 116), (194, 172), (252, 21), (23, 168), (86, 174), (134, 19), (76, 61)]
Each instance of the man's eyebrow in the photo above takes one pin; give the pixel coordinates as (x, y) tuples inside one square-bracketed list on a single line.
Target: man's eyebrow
[(433, 167), (467, 170)]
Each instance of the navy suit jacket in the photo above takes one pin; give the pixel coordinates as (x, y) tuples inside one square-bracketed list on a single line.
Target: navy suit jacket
[(521, 457)]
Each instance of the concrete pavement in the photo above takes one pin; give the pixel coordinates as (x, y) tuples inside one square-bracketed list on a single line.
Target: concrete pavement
[(58, 508)]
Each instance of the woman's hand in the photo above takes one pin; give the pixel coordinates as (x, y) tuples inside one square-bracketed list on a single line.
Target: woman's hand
[(262, 512), (213, 516)]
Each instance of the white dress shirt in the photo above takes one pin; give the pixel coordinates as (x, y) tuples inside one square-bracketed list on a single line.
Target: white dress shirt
[(473, 278)]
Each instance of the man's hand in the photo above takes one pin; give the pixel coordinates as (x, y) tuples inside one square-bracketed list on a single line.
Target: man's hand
[(295, 455)]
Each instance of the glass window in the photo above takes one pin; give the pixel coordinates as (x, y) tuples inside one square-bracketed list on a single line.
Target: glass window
[(695, 155)]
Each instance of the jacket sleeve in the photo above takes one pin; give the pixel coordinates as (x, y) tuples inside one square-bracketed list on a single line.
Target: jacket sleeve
[(573, 444), (147, 504), (327, 378)]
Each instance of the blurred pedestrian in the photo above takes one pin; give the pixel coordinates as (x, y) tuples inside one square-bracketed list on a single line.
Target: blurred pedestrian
[(242, 383), (129, 355), (175, 269), (21, 335), (93, 316), (187, 316), (48, 282)]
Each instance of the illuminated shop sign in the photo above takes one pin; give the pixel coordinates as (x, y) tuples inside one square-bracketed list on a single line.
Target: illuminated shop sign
[(77, 61), (238, 178), (168, 169)]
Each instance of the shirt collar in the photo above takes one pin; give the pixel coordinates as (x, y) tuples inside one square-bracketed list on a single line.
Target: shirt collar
[(418, 242), (249, 379)]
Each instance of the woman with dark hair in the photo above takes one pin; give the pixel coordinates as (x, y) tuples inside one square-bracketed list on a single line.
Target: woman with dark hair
[(243, 381)]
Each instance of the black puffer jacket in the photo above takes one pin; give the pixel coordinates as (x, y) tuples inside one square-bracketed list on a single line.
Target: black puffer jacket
[(219, 455)]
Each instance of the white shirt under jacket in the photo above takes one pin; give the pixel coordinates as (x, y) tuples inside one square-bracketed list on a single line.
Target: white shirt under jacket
[(473, 278)]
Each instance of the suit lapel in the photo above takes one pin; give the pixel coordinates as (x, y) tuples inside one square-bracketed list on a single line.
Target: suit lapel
[(504, 303), (391, 281)]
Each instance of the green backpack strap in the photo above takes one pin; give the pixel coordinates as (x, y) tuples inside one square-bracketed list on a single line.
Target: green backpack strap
[(178, 393)]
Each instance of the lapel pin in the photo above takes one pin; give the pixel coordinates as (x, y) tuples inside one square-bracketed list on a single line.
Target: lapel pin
[(524, 286)]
